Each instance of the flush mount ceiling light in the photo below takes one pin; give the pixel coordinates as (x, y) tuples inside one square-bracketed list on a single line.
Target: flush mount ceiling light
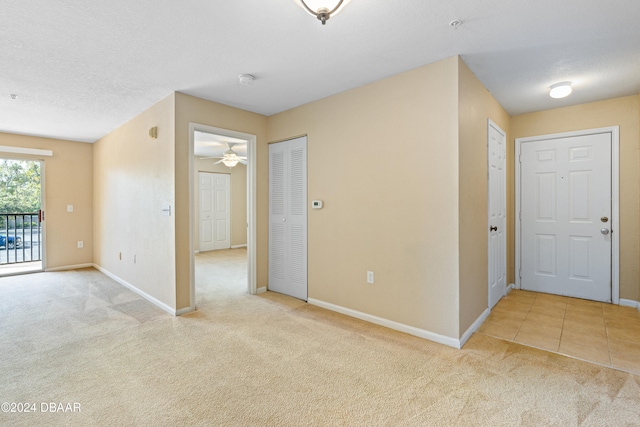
[(560, 90), (322, 9)]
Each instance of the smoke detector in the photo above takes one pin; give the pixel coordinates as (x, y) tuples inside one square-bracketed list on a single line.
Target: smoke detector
[(246, 79)]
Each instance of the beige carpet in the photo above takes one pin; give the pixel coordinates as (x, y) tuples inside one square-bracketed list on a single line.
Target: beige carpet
[(269, 360)]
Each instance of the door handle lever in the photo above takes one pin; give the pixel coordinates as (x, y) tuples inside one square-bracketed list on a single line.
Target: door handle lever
[(491, 228)]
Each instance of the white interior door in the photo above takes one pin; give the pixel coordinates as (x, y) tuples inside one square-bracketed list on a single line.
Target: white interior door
[(497, 214), (566, 214), (288, 217), (215, 211)]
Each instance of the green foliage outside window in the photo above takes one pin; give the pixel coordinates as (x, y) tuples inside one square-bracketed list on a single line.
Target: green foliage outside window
[(19, 188)]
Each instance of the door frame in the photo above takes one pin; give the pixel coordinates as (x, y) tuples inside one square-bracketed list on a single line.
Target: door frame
[(491, 124), (615, 200), (251, 203), (33, 155)]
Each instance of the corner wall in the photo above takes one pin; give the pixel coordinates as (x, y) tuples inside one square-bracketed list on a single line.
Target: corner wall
[(189, 109), (623, 112), (476, 106), (384, 158), (133, 179)]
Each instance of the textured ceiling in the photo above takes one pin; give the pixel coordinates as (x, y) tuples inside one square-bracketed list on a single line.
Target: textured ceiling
[(81, 68)]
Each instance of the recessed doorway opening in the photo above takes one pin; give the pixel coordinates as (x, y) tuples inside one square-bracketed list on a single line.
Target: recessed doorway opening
[(223, 205)]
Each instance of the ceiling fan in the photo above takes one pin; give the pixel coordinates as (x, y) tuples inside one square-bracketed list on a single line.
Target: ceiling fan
[(230, 158)]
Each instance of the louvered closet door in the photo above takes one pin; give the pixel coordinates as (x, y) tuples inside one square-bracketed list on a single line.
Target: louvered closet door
[(288, 217)]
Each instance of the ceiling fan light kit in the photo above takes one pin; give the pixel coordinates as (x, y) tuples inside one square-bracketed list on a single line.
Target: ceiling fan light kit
[(322, 9), (229, 158)]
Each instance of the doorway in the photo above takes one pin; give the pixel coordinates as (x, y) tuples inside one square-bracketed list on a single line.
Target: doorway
[(21, 218), (245, 147), (567, 214)]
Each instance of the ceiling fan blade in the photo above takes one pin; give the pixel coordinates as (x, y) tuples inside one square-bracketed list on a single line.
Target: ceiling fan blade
[(205, 158), (219, 161), (243, 161)]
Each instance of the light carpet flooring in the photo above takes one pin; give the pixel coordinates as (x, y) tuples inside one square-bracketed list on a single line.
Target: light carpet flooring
[(271, 360)]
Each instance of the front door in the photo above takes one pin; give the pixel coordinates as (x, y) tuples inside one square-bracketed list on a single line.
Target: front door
[(215, 212), (566, 214)]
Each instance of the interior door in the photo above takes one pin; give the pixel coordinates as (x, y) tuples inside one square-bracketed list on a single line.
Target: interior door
[(288, 217), (497, 214), (566, 216), (215, 211)]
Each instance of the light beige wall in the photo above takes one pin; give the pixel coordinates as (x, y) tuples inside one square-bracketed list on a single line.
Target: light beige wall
[(384, 158), (623, 112), (196, 110), (477, 105), (68, 181), (133, 179), (238, 198)]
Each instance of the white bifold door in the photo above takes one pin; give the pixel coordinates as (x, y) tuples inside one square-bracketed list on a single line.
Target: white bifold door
[(288, 217), (566, 216), (215, 211)]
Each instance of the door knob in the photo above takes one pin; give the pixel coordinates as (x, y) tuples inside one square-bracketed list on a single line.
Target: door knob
[(284, 219), (604, 231), (493, 228), (604, 219)]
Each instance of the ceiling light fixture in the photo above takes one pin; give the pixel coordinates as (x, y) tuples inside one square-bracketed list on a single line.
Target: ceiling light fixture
[(560, 90), (230, 162), (322, 9)]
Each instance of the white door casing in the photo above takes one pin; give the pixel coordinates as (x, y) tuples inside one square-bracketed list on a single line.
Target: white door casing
[(215, 212), (567, 225), (497, 206), (288, 217)]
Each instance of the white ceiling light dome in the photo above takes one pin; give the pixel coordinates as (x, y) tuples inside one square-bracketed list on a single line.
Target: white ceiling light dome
[(560, 90), (322, 9)]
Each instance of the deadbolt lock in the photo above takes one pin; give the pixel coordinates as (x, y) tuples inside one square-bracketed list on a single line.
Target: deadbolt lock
[(604, 219)]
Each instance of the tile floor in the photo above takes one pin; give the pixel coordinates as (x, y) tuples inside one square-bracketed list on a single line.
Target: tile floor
[(597, 332)]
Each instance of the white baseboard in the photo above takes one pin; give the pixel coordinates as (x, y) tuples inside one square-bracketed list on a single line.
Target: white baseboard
[(474, 326), (511, 287), (630, 303), (69, 267), (239, 246), (261, 290), (143, 294), (184, 311), (411, 330)]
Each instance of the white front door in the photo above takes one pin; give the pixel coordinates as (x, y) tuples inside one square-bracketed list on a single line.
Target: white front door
[(566, 214), (215, 211), (497, 190), (288, 217)]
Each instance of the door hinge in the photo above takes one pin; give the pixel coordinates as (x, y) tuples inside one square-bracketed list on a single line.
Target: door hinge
[(520, 273)]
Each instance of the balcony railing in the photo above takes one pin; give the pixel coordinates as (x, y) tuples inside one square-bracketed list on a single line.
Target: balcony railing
[(20, 238)]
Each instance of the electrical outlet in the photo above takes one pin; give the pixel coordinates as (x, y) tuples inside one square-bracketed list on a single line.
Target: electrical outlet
[(80, 244), (370, 278)]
